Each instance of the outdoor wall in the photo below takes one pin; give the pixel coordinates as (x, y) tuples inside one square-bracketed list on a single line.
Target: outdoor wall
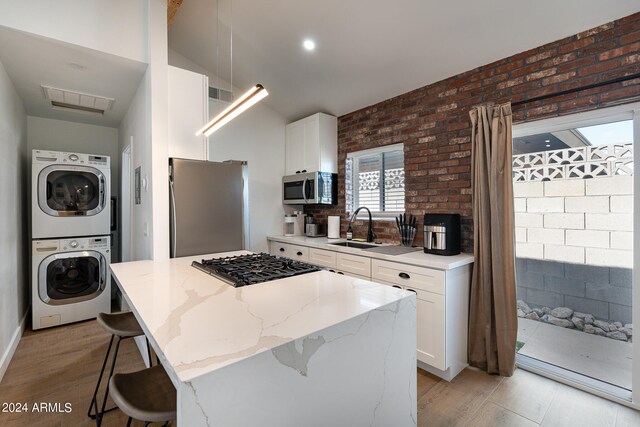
[(433, 121), (580, 221), (574, 229)]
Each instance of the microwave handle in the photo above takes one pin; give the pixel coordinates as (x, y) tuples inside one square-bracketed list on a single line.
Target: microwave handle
[(304, 189)]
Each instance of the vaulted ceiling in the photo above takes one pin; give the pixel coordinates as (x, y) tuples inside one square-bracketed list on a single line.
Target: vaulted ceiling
[(368, 50)]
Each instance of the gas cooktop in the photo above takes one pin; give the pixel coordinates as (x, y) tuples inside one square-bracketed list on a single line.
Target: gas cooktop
[(243, 270)]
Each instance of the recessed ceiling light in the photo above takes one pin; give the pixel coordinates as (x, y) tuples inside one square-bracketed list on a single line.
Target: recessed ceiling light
[(547, 141), (309, 44), (548, 145)]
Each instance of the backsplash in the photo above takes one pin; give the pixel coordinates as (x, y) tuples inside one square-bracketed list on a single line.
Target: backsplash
[(433, 121)]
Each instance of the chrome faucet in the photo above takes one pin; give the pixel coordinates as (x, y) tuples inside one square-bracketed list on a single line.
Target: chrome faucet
[(370, 229)]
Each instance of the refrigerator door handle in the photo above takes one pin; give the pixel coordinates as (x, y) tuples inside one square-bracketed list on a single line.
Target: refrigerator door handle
[(172, 199)]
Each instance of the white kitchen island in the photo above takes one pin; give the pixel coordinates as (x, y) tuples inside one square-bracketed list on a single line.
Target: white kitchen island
[(319, 349)]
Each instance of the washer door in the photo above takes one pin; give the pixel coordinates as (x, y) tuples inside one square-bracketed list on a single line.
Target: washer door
[(71, 190), (71, 277)]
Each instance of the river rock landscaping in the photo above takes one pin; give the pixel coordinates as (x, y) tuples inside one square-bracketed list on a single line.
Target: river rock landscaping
[(567, 318)]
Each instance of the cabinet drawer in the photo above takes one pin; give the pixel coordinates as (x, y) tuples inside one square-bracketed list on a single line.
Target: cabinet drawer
[(322, 257), (409, 276), (300, 253), (354, 264)]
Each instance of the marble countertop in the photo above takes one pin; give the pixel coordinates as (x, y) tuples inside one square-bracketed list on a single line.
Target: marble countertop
[(417, 258), (199, 324)]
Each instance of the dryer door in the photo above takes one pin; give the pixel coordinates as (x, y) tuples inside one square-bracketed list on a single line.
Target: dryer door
[(71, 277), (71, 191)]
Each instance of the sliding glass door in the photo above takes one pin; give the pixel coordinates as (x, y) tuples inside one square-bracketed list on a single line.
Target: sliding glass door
[(574, 218)]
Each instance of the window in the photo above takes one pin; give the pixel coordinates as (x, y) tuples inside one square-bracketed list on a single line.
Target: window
[(364, 183)]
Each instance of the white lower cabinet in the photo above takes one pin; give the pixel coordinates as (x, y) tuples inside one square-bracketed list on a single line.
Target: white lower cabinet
[(430, 339), (300, 253), (442, 306), (322, 258), (354, 264), (442, 300)]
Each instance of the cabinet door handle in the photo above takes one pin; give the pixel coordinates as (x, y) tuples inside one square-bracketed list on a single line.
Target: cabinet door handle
[(333, 271), (340, 272), (404, 276), (297, 171), (299, 253), (411, 290), (281, 249), (396, 286), (303, 171)]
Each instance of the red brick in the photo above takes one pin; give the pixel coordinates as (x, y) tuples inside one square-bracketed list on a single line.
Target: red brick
[(623, 50)]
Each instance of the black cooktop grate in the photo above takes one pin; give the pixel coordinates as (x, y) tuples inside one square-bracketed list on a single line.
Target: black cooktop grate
[(243, 270)]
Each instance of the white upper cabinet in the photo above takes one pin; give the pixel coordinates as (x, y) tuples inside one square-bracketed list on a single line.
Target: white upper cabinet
[(312, 144), (188, 112)]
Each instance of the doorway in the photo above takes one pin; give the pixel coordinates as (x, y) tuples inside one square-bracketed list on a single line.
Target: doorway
[(125, 211), (574, 202)]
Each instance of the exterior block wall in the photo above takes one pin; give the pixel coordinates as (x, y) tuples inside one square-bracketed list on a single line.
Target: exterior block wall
[(433, 121), (579, 221)]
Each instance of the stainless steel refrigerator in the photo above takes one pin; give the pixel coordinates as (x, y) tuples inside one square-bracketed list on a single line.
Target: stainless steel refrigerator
[(207, 211)]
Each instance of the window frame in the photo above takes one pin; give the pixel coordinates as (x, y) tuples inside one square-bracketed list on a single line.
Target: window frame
[(355, 155)]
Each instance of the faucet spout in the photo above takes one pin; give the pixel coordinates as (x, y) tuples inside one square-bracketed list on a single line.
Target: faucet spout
[(370, 234)]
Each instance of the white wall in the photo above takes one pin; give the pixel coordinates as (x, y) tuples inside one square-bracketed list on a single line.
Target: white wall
[(118, 27), (144, 126), (134, 130), (256, 136), (59, 135), (14, 293)]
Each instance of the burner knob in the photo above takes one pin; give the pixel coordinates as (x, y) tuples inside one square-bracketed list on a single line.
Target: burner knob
[(73, 157), (73, 244)]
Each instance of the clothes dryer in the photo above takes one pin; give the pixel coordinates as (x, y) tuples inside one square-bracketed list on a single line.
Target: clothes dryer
[(70, 194)]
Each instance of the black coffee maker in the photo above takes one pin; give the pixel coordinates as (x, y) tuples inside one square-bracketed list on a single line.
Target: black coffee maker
[(442, 234)]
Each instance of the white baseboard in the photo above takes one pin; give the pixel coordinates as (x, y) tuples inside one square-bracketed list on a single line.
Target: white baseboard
[(15, 339)]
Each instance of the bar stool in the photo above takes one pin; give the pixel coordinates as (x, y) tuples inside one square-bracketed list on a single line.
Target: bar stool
[(122, 325), (146, 395)]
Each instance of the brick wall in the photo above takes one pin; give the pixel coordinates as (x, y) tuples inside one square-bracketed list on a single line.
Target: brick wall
[(433, 121)]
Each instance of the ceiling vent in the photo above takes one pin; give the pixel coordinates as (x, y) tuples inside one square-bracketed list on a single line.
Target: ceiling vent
[(68, 100), (220, 94)]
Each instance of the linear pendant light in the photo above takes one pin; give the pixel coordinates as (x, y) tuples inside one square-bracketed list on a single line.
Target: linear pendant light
[(241, 104)]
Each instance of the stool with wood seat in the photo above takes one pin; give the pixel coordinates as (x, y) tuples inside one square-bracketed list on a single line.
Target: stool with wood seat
[(122, 325), (146, 395)]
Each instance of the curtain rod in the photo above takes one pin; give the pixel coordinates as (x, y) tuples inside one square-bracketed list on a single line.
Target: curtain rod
[(576, 89)]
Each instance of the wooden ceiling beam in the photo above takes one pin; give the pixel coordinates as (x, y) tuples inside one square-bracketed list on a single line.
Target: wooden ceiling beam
[(172, 9)]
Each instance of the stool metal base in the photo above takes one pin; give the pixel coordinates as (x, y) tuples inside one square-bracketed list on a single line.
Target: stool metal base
[(93, 406)]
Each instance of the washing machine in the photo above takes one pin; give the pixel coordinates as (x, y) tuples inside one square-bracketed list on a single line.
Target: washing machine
[(70, 194), (70, 280)]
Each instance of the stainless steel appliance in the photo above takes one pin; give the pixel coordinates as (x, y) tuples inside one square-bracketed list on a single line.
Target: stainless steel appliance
[(312, 188), (315, 230), (207, 207), (250, 269), (442, 234)]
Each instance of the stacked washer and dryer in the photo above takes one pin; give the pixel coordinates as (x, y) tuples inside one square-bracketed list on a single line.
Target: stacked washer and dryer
[(70, 227)]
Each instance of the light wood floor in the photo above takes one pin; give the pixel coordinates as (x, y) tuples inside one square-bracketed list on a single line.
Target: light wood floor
[(62, 364)]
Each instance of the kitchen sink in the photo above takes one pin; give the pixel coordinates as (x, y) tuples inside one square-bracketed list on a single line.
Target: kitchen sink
[(355, 245)]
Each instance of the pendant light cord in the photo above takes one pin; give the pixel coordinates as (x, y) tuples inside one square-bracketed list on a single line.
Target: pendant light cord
[(231, 45)]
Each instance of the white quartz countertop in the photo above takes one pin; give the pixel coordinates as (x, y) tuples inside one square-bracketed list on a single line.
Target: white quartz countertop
[(417, 258), (199, 324)]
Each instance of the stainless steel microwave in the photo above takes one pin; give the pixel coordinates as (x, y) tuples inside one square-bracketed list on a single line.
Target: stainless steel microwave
[(311, 188)]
